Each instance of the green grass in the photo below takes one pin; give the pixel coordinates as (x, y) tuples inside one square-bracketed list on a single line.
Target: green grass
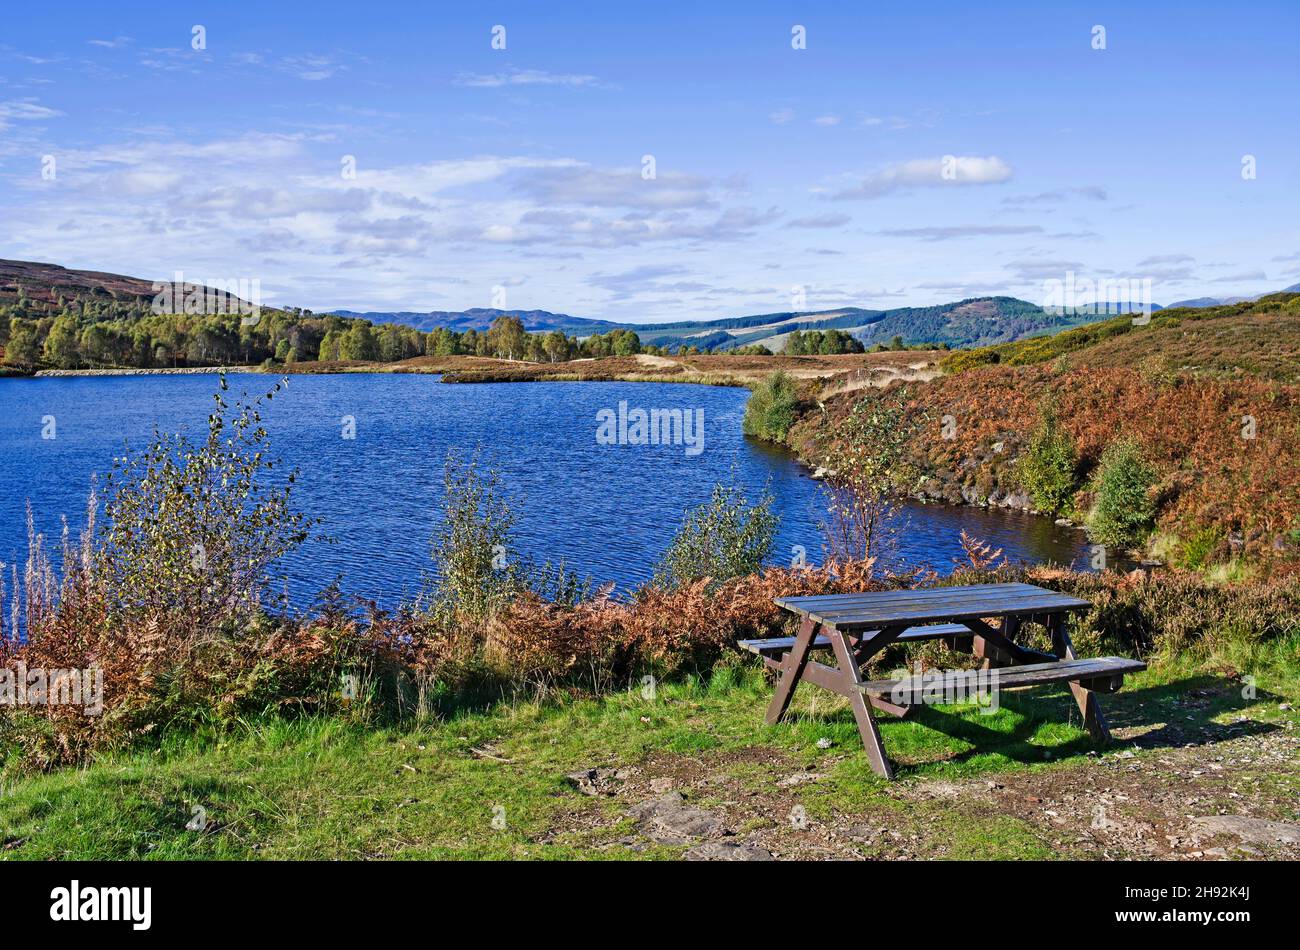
[(330, 788)]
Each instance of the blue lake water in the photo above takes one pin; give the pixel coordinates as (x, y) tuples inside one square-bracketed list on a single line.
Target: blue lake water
[(608, 511)]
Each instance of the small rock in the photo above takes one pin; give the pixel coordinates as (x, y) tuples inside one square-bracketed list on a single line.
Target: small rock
[(669, 820), (1250, 830), (824, 743), (661, 786), (798, 778), (597, 781), (728, 851)]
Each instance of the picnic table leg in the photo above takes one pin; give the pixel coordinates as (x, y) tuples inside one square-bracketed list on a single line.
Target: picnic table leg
[(1093, 718), (847, 661), (791, 670)]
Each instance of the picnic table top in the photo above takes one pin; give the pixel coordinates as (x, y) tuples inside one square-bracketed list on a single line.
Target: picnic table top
[(876, 609)]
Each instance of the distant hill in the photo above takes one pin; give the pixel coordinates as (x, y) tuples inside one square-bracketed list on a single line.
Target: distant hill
[(977, 321), (1258, 338), (1224, 301), (45, 282), (731, 332), (480, 318), (973, 322)]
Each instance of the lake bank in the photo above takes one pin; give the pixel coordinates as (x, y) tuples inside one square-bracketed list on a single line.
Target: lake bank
[(874, 368)]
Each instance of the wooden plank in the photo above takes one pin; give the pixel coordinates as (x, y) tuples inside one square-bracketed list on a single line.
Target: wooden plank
[(992, 603), (967, 593), (1093, 718), (919, 610), (791, 669), (1030, 675), (997, 646), (906, 592), (867, 729), (909, 619), (935, 598)]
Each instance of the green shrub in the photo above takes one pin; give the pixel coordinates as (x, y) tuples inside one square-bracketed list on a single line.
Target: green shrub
[(724, 538), (867, 470), (1047, 466), (1198, 551), (1122, 513), (772, 408), (474, 573)]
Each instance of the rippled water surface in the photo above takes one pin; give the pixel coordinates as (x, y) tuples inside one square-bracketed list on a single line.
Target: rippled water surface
[(607, 510)]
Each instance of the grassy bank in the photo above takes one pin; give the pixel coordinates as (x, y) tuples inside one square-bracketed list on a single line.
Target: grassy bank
[(327, 787)]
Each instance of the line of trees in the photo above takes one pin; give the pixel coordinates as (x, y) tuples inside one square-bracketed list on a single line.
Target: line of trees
[(81, 334), (821, 343)]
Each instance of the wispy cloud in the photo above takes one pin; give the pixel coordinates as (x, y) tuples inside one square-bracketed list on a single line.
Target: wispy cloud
[(613, 188), (1241, 278), (962, 231), (524, 77), (819, 221), (310, 67), (24, 110), (1091, 192), (1163, 260), (947, 171)]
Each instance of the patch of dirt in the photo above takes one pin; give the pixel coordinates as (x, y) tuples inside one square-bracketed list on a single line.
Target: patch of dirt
[(1142, 799), (658, 362)]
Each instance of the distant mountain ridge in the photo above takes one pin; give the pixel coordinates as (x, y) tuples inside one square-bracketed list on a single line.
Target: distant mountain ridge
[(480, 319), (975, 321), (972, 322), (1224, 301)]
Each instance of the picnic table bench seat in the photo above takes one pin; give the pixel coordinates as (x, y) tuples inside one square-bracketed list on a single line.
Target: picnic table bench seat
[(982, 619), (936, 631), (1102, 674)]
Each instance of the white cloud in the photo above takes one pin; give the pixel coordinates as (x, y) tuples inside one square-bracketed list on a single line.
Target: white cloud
[(613, 188), (309, 67), (819, 221), (524, 77), (25, 110), (947, 171), (962, 231)]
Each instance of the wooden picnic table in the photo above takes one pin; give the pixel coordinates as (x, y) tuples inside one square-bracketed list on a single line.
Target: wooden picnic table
[(982, 619)]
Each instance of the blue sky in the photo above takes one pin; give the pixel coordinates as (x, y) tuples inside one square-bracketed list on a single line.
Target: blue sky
[(906, 156)]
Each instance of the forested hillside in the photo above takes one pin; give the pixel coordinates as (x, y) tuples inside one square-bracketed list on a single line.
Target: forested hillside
[(52, 318)]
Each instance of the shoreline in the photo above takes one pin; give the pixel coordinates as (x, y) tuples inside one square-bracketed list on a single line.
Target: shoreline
[(153, 371)]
